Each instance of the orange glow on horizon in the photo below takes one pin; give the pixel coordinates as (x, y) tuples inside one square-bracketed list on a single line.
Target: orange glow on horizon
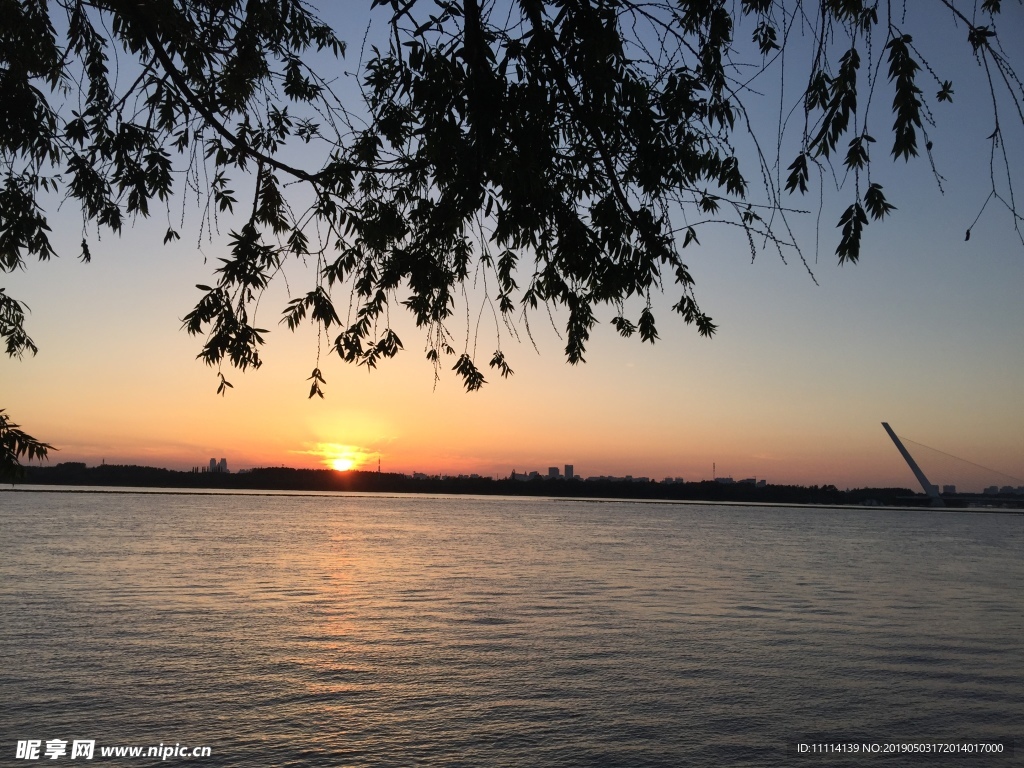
[(338, 456)]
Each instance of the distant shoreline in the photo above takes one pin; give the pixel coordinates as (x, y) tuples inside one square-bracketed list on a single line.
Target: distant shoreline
[(115, 490), (276, 481)]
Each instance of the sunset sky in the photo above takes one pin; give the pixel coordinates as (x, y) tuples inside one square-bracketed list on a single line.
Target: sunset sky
[(926, 332)]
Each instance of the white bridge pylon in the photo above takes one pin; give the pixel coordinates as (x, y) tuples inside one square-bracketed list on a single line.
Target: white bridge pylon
[(931, 490)]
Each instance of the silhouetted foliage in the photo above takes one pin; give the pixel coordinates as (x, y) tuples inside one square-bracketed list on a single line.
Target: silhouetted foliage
[(562, 153), (15, 445)]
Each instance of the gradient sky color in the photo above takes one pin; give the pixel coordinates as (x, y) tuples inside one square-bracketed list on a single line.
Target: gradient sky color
[(926, 332)]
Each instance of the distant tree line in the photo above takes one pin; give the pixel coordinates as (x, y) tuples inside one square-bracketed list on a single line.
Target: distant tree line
[(289, 479)]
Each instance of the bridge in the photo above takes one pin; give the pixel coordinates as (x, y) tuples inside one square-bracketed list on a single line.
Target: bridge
[(994, 496)]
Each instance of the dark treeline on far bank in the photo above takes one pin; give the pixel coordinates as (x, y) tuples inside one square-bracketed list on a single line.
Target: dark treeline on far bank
[(287, 479)]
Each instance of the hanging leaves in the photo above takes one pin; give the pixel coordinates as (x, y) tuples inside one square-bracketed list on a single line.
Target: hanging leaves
[(553, 152), (906, 105), (852, 222)]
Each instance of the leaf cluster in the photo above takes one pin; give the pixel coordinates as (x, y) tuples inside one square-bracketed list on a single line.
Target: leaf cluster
[(16, 445), (557, 155)]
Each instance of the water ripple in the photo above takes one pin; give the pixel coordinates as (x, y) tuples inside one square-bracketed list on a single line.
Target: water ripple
[(379, 631)]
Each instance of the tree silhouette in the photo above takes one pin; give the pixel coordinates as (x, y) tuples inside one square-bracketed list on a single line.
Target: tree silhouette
[(15, 444), (566, 153)]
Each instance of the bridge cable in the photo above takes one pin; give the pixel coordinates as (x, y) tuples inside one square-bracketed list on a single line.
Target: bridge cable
[(965, 461)]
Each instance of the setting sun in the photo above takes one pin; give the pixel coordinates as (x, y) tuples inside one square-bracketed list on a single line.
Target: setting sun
[(338, 456)]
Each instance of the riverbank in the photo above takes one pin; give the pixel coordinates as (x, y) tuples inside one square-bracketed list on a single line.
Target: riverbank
[(324, 480)]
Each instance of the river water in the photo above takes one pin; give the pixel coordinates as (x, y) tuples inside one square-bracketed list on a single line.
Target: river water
[(334, 630)]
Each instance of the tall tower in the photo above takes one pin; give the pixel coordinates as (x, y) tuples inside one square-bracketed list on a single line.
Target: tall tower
[(931, 490)]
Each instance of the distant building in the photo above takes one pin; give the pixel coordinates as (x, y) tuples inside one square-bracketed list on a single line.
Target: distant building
[(724, 480), (569, 473), (524, 476), (992, 490), (218, 467), (949, 489), (553, 473)]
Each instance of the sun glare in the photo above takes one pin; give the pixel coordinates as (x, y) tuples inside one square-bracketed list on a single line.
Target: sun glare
[(341, 457)]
